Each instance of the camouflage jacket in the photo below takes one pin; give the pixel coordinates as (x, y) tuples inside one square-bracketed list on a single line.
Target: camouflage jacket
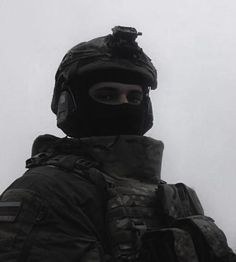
[(102, 199)]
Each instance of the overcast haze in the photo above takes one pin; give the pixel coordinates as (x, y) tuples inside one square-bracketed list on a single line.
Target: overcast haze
[(193, 45)]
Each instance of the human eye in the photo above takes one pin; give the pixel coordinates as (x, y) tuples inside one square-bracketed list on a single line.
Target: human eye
[(135, 97), (107, 95)]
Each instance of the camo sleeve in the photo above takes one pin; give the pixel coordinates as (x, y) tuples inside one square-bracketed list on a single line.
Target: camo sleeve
[(44, 216)]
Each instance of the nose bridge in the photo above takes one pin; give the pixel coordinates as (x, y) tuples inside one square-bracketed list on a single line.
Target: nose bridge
[(123, 98)]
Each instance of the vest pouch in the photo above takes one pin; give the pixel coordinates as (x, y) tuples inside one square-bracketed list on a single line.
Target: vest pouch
[(177, 200), (209, 241), (169, 244), (20, 211)]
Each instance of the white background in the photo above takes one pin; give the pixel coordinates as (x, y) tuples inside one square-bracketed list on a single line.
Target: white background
[(193, 45)]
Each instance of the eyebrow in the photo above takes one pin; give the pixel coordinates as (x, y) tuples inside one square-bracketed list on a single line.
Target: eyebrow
[(106, 88)]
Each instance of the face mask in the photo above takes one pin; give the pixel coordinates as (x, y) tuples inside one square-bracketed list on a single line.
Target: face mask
[(93, 118), (97, 119)]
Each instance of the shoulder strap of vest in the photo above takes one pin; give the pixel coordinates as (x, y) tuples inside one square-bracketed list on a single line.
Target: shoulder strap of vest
[(79, 164), (69, 162), (38, 159)]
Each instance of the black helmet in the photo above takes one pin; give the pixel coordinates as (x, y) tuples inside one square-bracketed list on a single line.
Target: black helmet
[(117, 52)]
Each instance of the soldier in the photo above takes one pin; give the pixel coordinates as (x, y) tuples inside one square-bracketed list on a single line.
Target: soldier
[(97, 194)]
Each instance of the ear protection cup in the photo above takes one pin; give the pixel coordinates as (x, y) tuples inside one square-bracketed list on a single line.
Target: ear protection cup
[(148, 123), (67, 112)]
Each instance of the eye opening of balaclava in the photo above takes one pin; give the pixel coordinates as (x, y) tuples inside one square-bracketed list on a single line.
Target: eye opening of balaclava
[(98, 119)]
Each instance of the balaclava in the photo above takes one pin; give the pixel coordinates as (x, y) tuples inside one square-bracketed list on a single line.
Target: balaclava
[(98, 119)]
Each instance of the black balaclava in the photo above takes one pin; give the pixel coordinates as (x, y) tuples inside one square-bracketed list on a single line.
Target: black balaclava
[(98, 119)]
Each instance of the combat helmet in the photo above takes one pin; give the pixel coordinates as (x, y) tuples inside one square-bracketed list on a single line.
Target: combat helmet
[(116, 52)]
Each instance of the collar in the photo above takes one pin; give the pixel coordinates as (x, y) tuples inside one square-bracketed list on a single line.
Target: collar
[(125, 156)]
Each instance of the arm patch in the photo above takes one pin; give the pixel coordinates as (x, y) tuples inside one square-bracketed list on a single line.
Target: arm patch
[(9, 211)]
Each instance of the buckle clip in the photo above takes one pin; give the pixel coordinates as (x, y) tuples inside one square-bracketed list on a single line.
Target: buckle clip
[(139, 225), (37, 159)]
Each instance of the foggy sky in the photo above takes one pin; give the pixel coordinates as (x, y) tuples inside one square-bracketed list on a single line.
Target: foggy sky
[(193, 45)]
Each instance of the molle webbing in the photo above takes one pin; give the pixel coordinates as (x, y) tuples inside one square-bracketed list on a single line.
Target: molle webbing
[(130, 213)]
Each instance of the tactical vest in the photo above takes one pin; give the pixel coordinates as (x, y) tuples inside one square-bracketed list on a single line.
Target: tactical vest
[(147, 219)]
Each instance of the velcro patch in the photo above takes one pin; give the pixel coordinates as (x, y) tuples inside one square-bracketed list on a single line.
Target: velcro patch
[(9, 211)]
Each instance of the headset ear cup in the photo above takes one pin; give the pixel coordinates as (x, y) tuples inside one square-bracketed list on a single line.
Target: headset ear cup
[(148, 120), (66, 112)]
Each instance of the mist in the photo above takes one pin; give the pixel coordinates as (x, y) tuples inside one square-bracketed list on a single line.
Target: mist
[(192, 44)]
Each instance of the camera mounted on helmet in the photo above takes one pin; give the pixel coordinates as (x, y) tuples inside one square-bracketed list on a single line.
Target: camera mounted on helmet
[(122, 42)]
